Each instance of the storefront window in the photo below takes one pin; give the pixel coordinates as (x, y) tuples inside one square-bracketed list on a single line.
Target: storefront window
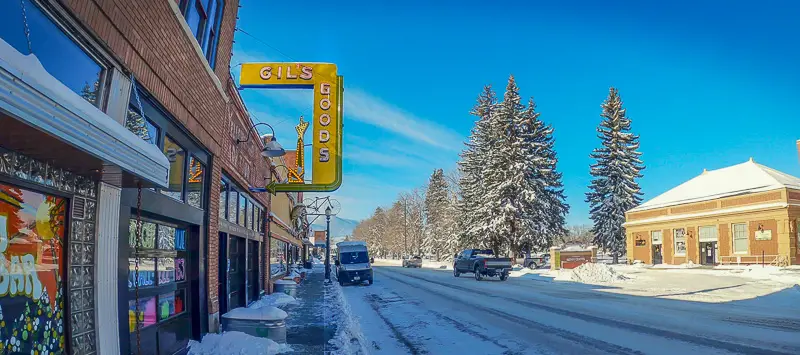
[(171, 304), (242, 210), (233, 202), (141, 126), (277, 257), (194, 190), (250, 221), (177, 160), (166, 238), (148, 237), (147, 313), (58, 53), (32, 253), (223, 199), (740, 238), (147, 273), (680, 241)]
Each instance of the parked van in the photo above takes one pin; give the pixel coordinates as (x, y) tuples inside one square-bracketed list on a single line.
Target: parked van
[(353, 264)]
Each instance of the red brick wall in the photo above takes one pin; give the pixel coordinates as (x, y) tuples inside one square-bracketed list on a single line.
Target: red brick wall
[(148, 39)]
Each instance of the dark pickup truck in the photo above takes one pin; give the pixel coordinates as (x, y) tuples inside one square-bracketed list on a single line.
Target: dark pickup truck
[(481, 262)]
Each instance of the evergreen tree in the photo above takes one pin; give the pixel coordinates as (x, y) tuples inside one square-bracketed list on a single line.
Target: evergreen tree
[(614, 189), (473, 168), (436, 210), (541, 189), (505, 205)]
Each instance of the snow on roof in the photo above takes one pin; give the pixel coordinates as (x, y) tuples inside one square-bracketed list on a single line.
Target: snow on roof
[(747, 177)]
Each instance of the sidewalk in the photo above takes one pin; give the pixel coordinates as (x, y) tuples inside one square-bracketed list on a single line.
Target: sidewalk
[(307, 330)]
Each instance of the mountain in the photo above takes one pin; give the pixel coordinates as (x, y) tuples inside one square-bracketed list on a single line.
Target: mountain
[(340, 227)]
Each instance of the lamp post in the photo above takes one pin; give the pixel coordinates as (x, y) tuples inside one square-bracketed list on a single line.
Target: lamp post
[(328, 243)]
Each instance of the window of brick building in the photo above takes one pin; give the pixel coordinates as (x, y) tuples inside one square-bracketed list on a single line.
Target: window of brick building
[(680, 241), (740, 238), (204, 18)]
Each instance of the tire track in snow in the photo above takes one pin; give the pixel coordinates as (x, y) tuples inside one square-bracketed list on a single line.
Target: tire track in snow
[(663, 333), (373, 300), (592, 343)]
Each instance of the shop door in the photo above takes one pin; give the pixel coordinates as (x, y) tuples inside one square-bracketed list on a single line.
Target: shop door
[(658, 256), (708, 252), (252, 270), (223, 271), (236, 275)]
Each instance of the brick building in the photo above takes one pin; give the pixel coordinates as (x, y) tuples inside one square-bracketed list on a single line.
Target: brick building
[(743, 214), (123, 93)]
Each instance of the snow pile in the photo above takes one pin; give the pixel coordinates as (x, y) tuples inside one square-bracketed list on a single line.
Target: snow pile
[(348, 338), (277, 299), (236, 343), (390, 262), (596, 273), (261, 313), (522, 272), (689, 265), (767, 272)]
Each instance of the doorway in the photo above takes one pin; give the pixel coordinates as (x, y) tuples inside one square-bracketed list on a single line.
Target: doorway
[(708, 253), (236, 272), (658, 256)]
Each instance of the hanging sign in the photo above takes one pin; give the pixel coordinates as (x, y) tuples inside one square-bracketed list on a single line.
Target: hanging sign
[(326, 166)]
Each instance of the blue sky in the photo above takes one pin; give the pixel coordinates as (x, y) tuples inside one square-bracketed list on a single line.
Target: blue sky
[(707, 84)]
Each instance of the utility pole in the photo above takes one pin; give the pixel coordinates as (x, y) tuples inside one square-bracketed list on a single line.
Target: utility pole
[(405, 229), (328, 244)]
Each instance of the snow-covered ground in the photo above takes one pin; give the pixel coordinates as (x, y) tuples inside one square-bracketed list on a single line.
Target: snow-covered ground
[(604, 309)]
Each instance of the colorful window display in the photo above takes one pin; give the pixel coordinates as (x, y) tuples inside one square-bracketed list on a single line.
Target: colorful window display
[(31, 271), (162, 264), (277, 257)]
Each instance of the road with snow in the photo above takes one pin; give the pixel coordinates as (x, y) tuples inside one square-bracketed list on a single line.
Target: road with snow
[(424, 311)]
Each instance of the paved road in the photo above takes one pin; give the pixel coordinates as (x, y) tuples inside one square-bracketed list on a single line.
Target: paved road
[(422, 311)]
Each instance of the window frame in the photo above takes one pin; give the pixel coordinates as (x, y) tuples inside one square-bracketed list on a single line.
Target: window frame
[(700, 230), (185, 168), (203, 178), (63, 20), (661, 237), (746, 238), (675, 242), (206, 26)]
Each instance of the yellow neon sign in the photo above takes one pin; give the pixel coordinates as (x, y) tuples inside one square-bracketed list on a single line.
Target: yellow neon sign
[(327, 122)]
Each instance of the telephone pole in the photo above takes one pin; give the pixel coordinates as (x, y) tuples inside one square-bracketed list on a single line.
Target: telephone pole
[(405, 221)]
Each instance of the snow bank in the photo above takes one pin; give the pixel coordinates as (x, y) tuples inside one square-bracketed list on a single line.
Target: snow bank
[(594, 273), (519, 272), (767, 272), (689, 265), (265, 313), (437, 265), (348, 338), (277, 299), (236, 343), (393, 262)]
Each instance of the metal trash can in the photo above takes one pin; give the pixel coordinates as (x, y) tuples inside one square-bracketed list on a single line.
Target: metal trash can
[(288, 287), (266, 322)]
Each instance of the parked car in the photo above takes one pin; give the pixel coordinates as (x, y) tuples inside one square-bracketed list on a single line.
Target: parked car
[(481, 262), (535, 261), (412, 261), (353, 264)]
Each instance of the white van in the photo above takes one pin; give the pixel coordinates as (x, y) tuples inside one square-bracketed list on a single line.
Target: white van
[(353, 264)]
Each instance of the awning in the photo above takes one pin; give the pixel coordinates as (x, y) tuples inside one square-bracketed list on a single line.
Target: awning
[(29, 94)]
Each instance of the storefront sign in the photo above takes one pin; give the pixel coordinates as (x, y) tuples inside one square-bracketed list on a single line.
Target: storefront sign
[(328, 89), (573, 259), (764, 235), (237, 230), (31, 270)]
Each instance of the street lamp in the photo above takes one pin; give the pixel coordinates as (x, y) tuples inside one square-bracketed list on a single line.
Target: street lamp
[(328, 243), (272, 149)]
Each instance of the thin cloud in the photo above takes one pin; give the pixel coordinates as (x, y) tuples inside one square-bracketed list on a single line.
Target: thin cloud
[(363, 107)]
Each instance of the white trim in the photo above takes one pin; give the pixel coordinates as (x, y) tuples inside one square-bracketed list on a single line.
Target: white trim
[(106, 285), (762, 206), (188, 31)]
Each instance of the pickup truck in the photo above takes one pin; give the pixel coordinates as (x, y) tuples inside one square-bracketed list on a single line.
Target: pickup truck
[(481, 262)]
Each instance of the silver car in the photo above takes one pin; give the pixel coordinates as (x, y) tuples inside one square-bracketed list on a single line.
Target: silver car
[(413, 261)]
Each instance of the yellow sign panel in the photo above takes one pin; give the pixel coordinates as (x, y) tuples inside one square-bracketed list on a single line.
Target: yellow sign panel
[(327, 123)]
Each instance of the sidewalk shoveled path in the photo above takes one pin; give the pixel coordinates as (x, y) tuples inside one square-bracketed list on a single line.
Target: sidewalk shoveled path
[(309, 327)]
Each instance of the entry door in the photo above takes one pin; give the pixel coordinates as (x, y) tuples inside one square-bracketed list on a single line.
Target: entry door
[(252, 270), (708, 251), (223, 271), (236, 275), (658, 256)]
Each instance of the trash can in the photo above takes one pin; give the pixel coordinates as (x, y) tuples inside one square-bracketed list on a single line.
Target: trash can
[(265, 322), (288, 287)]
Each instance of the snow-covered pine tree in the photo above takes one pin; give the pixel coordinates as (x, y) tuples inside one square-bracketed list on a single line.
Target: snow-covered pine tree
[(472, 225), (614, 189), (436, 210), (502, 182), (542, 192)]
